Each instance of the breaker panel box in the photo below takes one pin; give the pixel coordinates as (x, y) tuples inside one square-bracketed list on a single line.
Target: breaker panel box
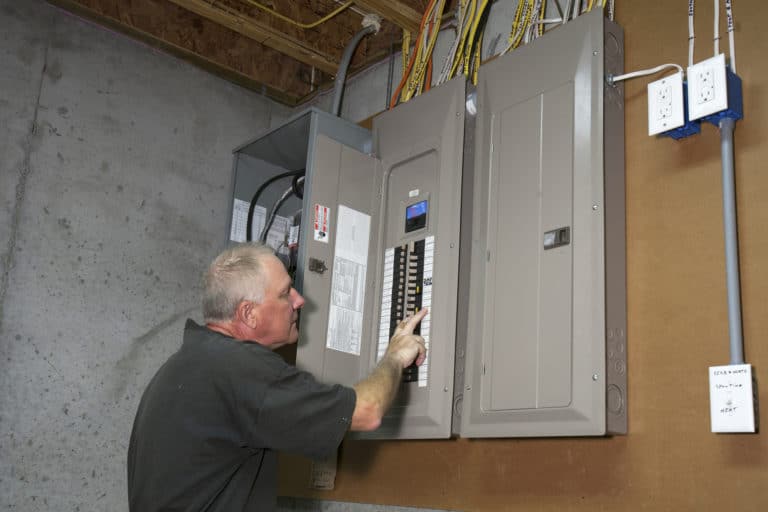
[(545, 338), (390, 248), (264, 170), (507, 223)]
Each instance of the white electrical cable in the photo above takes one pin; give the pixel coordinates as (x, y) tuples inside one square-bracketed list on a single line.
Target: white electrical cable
[(448, 62), (717, 27), (611, 9), (644, 72), (691, 35), (729, 14)]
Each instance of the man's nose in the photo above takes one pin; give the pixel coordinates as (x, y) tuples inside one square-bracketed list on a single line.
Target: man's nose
[(298, 300)]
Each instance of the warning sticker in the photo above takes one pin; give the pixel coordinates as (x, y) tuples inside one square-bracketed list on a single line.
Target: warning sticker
[(321, 223)]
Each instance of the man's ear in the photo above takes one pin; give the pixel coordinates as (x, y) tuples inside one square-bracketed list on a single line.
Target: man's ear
[(248, 313)]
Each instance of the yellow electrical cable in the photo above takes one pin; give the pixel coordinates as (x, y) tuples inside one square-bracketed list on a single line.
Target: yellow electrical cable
[(542, 15), (475, 24), (478, 55), (516, 24), (416, 82), (411, 61), (298, 23), (405, 57), (526, 21), (459, 57)]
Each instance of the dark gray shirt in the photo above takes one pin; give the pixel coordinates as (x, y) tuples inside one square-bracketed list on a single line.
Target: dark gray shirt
[(213, 418)]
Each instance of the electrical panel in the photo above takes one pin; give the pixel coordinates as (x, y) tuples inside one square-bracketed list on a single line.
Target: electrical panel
[(545, 339), (507, 223), (391, 248), (263, 171)]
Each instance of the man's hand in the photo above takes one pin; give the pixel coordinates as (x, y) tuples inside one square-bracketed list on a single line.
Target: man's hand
[(406, 346)]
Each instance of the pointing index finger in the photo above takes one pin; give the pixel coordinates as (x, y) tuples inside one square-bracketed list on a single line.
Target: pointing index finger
[(411, 322)]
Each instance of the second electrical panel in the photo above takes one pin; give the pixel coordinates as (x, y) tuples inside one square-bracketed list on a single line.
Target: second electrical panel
[(546, 315)]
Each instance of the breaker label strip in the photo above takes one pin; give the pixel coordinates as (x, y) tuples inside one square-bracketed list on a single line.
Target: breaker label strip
[(407, 288)]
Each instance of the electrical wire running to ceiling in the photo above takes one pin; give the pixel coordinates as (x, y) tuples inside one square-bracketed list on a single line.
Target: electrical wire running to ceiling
[(299, 24)]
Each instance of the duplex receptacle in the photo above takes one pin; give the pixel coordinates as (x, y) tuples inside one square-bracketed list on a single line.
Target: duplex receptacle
[(665, 104), (707, 87)]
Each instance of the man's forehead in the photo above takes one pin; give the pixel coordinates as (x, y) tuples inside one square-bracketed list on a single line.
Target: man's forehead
[(276, 273)]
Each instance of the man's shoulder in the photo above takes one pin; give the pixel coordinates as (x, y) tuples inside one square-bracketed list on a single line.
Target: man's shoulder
[(212, 347)]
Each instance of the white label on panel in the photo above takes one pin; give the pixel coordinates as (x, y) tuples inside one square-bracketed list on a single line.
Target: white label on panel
[(345, 315), (426, 302), (386, 303), (240, 220), (293, 236), (321, 223), (413, 193)]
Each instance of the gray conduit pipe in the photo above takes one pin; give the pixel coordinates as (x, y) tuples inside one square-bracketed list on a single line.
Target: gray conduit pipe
[(346, 58), (731, 242)]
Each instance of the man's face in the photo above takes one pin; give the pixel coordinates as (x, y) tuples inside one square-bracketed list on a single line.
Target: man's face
[(280, 307)]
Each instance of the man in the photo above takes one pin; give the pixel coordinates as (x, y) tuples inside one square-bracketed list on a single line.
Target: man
[(213, 418)]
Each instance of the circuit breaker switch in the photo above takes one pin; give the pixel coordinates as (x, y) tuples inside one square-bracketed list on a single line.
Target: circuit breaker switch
[(557, 237)]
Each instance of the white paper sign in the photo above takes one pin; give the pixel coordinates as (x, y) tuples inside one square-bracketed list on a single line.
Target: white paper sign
[(350, 265), (731, 399)]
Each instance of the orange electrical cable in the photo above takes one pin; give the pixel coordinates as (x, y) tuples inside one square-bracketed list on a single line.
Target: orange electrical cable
[(428, 80), (404, 80)]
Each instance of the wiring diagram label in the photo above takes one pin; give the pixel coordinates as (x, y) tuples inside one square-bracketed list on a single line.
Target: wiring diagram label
[(350, 265), (321, 223), (276, 238), (240, 221)]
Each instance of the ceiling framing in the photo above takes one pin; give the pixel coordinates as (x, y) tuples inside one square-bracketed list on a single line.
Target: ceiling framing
[(245, 44)]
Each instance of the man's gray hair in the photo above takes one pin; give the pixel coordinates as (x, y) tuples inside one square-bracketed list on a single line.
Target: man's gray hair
[(235, 275)]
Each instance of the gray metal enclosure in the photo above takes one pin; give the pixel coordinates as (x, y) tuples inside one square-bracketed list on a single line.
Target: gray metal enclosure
[(527, 336), (417, 164), (288, 147), (547, 287)]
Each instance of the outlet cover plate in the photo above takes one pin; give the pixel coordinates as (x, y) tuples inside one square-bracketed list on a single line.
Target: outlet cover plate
[(665, 104), (707, 90)]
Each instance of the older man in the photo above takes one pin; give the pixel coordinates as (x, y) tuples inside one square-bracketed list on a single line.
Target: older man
[(213, 418)]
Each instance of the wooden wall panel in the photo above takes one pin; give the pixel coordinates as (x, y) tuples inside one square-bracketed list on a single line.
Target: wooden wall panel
[(678, 327)]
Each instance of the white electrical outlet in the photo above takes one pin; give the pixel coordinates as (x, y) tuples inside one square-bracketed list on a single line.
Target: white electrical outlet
[(731, 398), (665, 104), (707, 90)]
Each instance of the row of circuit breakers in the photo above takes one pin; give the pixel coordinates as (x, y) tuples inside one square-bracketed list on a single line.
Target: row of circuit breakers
[(506, 220)]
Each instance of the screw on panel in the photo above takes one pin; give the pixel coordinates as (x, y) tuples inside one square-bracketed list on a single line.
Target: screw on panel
[(594, 52), (595, 377), (445, 389), (594, 207)]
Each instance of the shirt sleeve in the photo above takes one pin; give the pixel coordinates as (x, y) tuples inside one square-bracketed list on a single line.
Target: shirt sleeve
[(300, 415)]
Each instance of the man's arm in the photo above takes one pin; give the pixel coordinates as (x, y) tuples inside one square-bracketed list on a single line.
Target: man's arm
[(376, 393)]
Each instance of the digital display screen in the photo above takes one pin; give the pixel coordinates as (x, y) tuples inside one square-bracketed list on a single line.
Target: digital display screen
[(416, 216)]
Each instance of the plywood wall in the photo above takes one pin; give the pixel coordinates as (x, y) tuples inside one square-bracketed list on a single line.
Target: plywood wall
[(678, 327)]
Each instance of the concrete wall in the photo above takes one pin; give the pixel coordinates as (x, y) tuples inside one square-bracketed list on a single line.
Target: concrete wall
[(115, 165)]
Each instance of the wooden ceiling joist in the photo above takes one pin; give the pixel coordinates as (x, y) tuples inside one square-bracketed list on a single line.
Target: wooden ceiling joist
[(399, 13), (263, 33), (209, 45), (242, 41)]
